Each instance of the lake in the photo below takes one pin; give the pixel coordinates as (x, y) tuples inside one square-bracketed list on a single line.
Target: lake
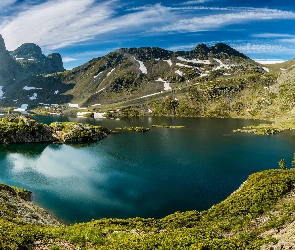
[(150, 174)]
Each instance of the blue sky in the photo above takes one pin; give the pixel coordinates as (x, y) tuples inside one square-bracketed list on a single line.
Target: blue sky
[(84, 29)]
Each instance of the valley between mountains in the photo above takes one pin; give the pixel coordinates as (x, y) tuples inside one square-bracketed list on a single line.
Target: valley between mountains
[(215, 81)]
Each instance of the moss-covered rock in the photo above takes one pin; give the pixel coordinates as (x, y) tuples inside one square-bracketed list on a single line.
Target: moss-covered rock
[(25, 129), (78, 132)]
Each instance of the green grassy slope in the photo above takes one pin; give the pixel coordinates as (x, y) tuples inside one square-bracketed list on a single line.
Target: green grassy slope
[(254, 95), (238, 222)]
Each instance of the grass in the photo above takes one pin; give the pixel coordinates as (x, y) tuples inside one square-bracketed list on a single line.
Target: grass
[(234, 223)]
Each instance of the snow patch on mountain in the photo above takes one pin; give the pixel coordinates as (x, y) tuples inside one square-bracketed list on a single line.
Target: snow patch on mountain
[(33, 97), (179, 72), (110, 72), (193, 60), (97, 75), (166, 84), (221, 64), (23, 107), (30, 88), (184, 65), (99, 90), (142, 68), (169, 62), (1, 92)]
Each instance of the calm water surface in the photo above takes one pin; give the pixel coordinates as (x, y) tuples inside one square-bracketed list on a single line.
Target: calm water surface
[(148, 174)]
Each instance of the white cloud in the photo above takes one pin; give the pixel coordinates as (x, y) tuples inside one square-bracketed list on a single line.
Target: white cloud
[(196, 2), (269, 61), (56, 23), (182, 47), (252, 48), (272, 35), (291, 40), (59, 23), (68, 59), (210, 22)]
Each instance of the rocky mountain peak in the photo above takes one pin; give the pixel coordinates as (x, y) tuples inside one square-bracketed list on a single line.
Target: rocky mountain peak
[(222, 48), (202, 48), (30, 56), (28, 51), (54, 63)]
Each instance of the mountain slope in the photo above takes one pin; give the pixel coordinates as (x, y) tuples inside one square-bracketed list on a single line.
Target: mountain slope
[(132, 73), (215, 81)]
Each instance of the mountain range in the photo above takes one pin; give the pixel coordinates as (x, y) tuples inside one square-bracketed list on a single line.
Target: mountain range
[(216, 81)]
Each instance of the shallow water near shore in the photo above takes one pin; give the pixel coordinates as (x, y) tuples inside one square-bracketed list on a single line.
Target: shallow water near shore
[(150, 174)]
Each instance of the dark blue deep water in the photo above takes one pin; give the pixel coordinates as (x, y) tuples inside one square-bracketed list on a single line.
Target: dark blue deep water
[(150, 174)]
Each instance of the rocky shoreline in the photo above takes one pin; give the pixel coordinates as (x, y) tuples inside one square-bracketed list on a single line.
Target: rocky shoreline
[(275, 127), (16, 206)]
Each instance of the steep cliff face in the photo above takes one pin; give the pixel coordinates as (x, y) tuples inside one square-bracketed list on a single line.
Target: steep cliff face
[(8, 66)]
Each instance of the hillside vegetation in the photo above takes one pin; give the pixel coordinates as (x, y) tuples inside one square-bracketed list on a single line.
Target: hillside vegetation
[(247, 219)]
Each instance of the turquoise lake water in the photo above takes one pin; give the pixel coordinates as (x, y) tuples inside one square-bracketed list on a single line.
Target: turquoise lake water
[(150, 174)]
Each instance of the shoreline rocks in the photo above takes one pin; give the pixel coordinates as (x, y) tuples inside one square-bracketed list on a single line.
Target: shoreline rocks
[(16, 206)]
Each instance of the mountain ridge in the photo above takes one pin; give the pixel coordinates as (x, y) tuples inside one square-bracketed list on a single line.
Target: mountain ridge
[(135, 72), (215, 81)]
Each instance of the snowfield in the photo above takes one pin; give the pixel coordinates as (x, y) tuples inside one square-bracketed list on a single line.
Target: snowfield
[(142, 68)]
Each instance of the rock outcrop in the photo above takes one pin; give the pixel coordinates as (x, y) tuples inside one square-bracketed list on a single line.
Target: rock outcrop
[(25, 129), (78, 132)]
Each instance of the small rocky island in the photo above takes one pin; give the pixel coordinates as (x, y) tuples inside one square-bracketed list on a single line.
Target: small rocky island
[(25, 129)]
